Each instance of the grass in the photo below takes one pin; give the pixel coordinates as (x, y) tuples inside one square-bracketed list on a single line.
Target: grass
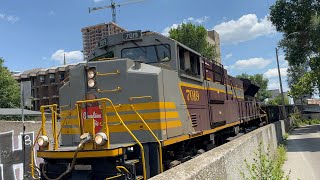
[(266, 166), (304, 122), (285, 136)]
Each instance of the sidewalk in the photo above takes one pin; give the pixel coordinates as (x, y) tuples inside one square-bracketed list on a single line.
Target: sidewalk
[(303, 150)]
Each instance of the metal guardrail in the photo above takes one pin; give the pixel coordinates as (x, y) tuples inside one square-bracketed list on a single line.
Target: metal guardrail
[(103, 101)]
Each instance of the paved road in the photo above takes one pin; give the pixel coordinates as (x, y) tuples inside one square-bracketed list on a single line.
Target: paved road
[(304, 153)]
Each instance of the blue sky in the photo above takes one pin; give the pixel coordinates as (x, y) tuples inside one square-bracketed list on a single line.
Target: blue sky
[(35, 33)]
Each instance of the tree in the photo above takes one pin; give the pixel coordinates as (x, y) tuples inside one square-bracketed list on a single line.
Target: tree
[(299, 22), (261, 82), (278, 100), (193, 36), (9, 88)]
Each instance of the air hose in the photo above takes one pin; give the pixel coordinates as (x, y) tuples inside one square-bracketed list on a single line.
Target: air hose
[(85, 138)]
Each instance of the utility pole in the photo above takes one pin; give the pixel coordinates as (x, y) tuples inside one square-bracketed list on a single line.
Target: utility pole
[(64, 59), (282, 95), (23, 129)]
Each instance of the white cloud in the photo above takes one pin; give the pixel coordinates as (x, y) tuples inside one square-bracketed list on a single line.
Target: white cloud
[(229, 55), (196, 20), (200, 20), (167, 29), (10, 18), (252, 63), (271, 73), (71, 56), (245, 28), (274, 84), (96, 1)]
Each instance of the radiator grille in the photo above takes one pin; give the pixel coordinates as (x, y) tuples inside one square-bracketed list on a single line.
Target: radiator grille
[(194, 120)]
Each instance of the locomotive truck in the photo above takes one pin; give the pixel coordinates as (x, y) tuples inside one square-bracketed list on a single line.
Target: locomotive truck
[(141, 104)]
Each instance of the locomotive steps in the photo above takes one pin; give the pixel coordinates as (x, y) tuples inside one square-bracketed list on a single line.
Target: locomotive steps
[(227, 160)]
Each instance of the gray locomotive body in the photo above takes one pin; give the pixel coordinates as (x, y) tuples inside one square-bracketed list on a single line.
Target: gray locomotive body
[(137, 89)]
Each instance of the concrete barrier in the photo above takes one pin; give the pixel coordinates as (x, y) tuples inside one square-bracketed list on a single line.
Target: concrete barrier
[(228, 160)]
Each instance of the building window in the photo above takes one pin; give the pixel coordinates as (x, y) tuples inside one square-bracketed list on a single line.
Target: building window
[(41, 77), (61, 76), (51, 78)]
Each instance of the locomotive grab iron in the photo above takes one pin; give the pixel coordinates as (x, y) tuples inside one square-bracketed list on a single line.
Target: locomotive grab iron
[(141, 104)]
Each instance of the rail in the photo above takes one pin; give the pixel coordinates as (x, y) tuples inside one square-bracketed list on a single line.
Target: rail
[(155, 137), (104, 100)]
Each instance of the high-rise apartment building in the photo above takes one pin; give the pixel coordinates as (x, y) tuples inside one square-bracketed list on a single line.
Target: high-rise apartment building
[(92, 34), (213, 39)]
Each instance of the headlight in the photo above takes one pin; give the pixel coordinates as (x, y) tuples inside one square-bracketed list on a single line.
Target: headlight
[(43, 141), (91, 74), (91, 83), (100, 139)]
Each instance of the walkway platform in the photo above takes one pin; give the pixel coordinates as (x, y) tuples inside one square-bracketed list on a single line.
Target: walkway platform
[(303, 151)]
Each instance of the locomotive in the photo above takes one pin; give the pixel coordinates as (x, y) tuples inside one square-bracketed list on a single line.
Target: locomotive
[(141, 104)]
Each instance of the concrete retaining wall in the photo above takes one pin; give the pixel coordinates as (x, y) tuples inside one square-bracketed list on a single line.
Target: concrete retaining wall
[(311, 116), (12, 156), (227, 161)]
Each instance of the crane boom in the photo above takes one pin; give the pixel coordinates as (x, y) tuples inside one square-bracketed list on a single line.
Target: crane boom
[(113, 6)]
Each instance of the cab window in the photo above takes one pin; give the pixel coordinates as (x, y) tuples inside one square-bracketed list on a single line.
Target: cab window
[(148, 54), (189, 62)]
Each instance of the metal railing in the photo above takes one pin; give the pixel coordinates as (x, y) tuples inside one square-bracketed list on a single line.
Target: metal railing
[(54, 115), (106, 126), (103, 101), (155, 137)]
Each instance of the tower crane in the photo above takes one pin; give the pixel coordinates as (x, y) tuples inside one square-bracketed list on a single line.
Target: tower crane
[(113, 6)]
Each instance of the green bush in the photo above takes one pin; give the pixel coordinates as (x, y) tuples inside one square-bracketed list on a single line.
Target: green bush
[(299, 122), (266, 166)]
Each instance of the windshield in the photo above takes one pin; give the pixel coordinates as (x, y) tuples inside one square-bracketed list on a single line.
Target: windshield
[(148, 54)]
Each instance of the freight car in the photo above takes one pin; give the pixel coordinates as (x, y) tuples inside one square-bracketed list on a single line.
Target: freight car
[(141, 104)]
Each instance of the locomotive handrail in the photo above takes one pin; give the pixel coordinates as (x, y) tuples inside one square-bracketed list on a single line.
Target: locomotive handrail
[(155, 137), (140, 97), (133, 136), (119, 168), (54, 115), (108, 74), (113, 177), (112, 90), (103, 59), (104, 100)]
